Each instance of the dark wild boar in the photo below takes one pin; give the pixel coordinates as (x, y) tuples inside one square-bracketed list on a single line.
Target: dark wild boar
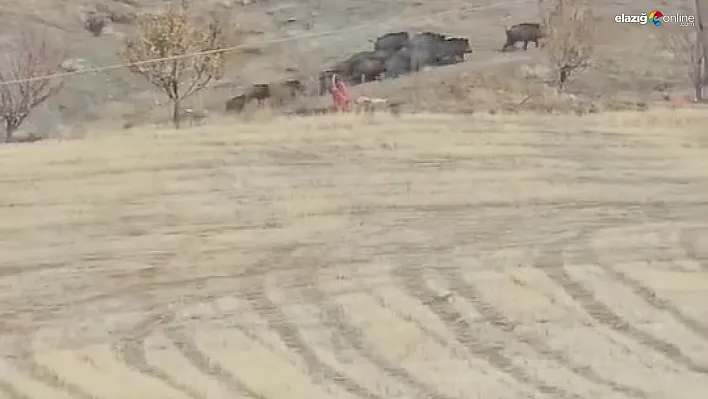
[(524, 32), (392, 42), (453, 50)]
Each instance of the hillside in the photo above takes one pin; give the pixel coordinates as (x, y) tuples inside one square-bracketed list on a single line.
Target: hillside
[(298, 39), (334, 257)]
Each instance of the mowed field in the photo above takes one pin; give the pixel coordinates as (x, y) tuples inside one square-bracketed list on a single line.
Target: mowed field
[(338, 257)]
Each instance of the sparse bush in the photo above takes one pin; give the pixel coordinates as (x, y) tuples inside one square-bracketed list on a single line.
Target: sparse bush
[(95, 22), (685, 45), (569, 27), (22, 83), (189, 52)]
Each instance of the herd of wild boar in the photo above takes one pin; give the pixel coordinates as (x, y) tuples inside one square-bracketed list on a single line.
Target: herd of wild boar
[(393, 55)]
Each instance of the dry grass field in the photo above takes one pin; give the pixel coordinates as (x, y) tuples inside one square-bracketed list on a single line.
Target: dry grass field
[(433, 256)]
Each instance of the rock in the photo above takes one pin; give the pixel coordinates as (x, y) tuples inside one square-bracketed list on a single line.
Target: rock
[(75, 64)]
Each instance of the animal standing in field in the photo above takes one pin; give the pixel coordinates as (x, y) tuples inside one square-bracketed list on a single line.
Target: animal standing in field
[(453, 50), (392, 42), (237, 103), (285, 91), (278, 92), (362, 67), (259, 92), (399, 63), (434, 49), (396, 54), (524, 32), (424, 50)]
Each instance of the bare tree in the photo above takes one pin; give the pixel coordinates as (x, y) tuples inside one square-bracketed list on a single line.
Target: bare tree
[(701, 11), (189, 53), (686, 47), (569, 27), (23, 82)]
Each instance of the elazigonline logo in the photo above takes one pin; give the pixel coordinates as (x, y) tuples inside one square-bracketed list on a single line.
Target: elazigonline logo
[(657, 18)]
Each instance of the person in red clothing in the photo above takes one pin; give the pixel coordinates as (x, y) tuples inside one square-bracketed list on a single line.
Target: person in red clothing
[(340, 93)]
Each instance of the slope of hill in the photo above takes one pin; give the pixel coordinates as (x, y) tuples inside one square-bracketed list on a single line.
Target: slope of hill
[(629, 63)]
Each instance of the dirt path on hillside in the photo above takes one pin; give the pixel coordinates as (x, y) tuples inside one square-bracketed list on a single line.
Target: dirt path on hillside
[(436, 258)]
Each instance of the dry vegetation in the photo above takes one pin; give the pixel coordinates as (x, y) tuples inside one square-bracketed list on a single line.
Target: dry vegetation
[(569, 27), (23, 85), (619, 71), (357, 259), (685, 46), (478, 245), (191, 53)]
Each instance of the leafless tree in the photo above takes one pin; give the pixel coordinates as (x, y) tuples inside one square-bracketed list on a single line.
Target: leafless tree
[(686, 47), (569, 27), (188, 50), (23, 82), (701, 9)]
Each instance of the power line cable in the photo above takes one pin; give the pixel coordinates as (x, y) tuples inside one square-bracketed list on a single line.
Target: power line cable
[(221, 50)]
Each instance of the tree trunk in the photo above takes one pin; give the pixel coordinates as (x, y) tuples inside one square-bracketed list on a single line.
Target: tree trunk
[(176, 114), (10, 129), (702, 37), (699, 79), (563, 79)]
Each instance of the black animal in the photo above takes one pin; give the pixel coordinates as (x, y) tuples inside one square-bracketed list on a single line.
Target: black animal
[(524, 32), (237, 103), (284, 91), (453, 50), (294, 86), (259, 92), (428, 37), (362, 67), (280, 92), (399, 63), (367, 69), (392, 42), (425, 49), (435, 49), (396, 54)]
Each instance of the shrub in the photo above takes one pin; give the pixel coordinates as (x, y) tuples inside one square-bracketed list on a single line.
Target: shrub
[(24, 85), (569, 27), (189, 53)]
